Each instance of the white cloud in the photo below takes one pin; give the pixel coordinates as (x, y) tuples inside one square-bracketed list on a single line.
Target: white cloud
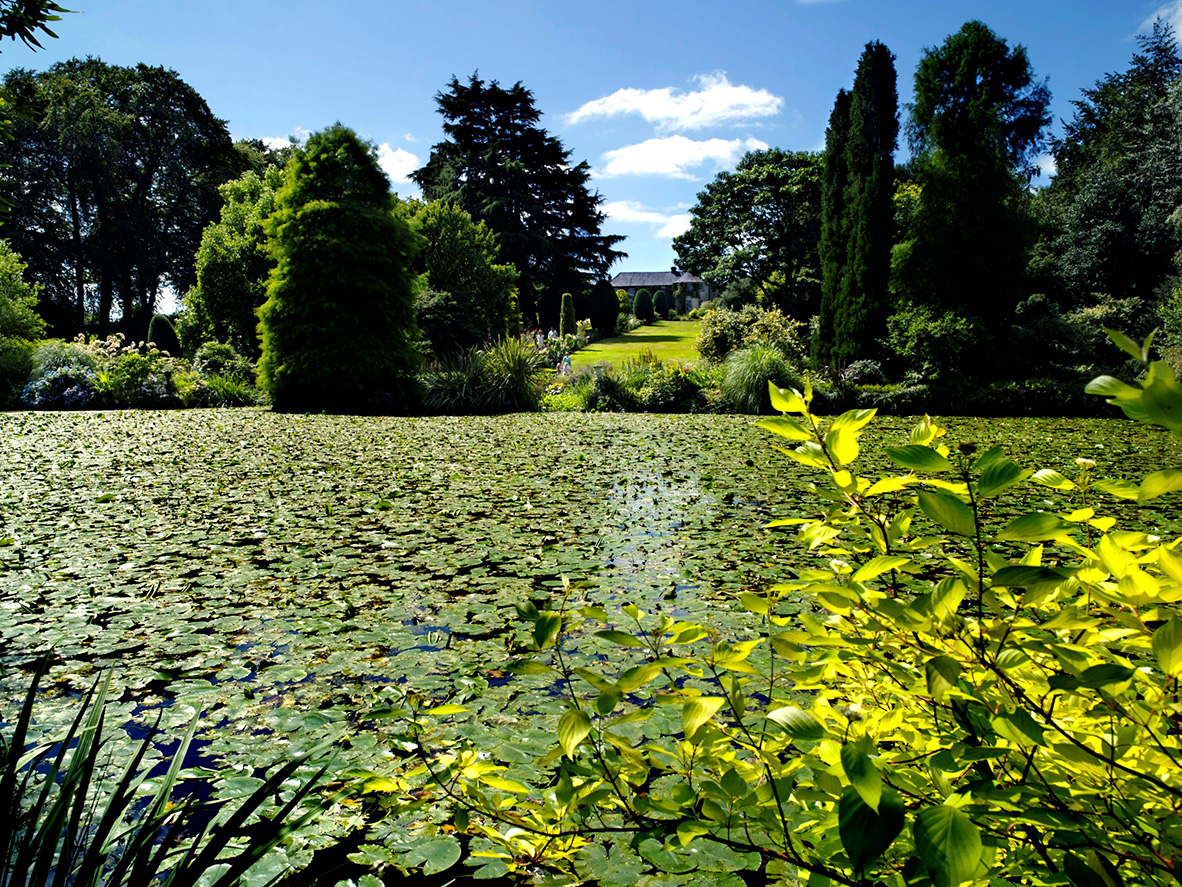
[(674, 156), (716, 101), (397, 163), (410, 137), (1168, 12), (667, 224), (299, 135)]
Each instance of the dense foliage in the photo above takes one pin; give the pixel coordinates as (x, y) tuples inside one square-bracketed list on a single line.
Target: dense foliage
[(18, 299), (233, 265), (113, 176), (506, 171), (760, 223), (338, 325)]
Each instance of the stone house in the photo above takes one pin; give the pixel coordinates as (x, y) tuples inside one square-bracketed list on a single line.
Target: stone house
[(693, 288)]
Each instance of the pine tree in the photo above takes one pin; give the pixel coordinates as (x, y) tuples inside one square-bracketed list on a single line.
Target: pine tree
[(834, 224), (505, 170), (338, 323)]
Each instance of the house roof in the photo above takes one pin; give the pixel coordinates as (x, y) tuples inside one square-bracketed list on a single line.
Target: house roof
[(653, 279)]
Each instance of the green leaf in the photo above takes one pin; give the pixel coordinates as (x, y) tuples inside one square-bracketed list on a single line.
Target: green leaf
[(697, 712), (573, 728), (1037, 527), (1103, 675), (1127, 345), (754, 603), (1048, 477), (798, 724), (1018, 726), (619, 637), (786, 400), (1025, 577), (546, 629), (865, 833), (785, 427), (1080, 874), (918, 458), (942, 673), (879, 565), (948, 511), (1001, 474), (948, 844), (1167, 646), (862, 774), (842, 444), (852, 420), (1159, 483)]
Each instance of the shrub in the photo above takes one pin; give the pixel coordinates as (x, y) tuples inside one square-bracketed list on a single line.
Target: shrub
[(723, 330), (214, 391), (447, 322), (515, 376), (746, 374), (162, 334), (218, 359), (643, 308), (567, 323), (457, 384), (604, 307), (18, 299), (864, 372), (936, 346), (56, 354), (973, 695), (661, 304), (69, 387), (138, 380), (16, 362)]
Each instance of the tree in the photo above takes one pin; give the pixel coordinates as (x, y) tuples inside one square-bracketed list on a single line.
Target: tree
[(460, 258), (338, 324), (856, 273), (114, 176), (24, 19), (233, 265), (18, 299), (760, 222), (505, 170), (975, 127), (833, 244), (1106, 213), (603, 308), (661, 304)]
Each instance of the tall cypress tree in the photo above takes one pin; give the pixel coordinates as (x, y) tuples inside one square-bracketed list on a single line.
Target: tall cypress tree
[(870, 162), (834, 227), (858, 216)]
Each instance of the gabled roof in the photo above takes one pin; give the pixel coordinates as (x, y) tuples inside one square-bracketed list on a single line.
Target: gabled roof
[(626, 279)]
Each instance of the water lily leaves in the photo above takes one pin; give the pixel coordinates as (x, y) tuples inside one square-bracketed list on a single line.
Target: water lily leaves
[(434, 855)]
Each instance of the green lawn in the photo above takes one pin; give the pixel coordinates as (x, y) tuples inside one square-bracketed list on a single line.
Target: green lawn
[(666, 339)]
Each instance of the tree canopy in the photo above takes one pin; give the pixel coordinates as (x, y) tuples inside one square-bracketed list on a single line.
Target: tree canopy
[(761, 222), (25, 20), (504, 169), (114, 175), (975, 127)]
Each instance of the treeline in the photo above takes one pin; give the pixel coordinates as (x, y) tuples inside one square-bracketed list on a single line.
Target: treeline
[(124, 184), (954, 269)]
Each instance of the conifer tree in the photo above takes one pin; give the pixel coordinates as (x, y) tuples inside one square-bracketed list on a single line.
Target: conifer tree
[(567, 323), (338, 324), (834, 224)]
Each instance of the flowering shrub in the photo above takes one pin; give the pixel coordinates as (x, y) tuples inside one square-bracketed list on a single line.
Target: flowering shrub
[(62, 388)]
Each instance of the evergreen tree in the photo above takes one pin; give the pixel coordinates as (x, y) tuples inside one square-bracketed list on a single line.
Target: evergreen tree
[(643, 307), (834, 225), (505, 170), (568, 323), (862, 306), (338, 323), (661, 304), (605, 308), (975, 128)]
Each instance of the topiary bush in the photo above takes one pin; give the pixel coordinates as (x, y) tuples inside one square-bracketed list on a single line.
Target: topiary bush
[(661, 304), (567, 323), (746, 374), (643, 307), (162, 334)]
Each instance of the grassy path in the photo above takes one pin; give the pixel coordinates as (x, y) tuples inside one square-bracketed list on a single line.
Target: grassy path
[(666, 339)]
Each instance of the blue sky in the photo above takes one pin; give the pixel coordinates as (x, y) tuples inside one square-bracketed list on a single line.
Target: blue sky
[(657, 96)]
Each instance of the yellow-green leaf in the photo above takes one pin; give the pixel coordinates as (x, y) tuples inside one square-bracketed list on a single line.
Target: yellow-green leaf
[(948, 844), (697, 712), (918, 458), (573, 728), (948, 511), (1037, 527), (797, 723), (879, 565), (785, 427), (862, 774), (1159, 483), (1167, 646), (786, 400)]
